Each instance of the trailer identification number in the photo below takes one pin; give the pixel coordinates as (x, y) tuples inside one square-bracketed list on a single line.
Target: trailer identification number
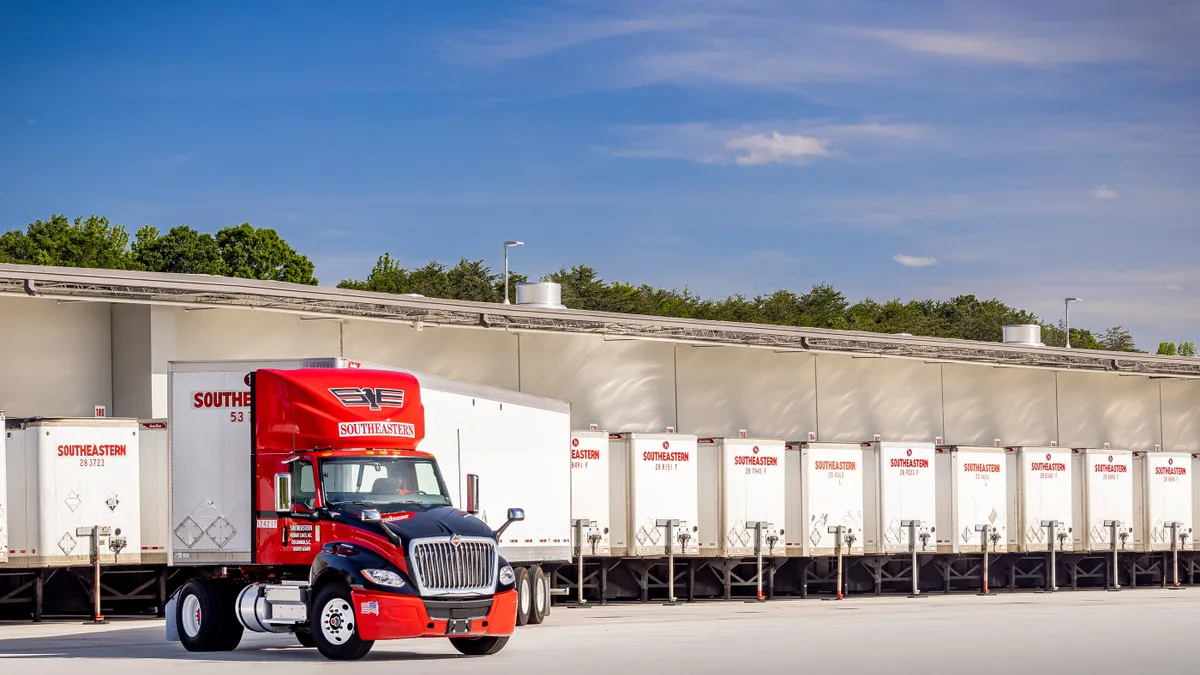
[(265, 524)]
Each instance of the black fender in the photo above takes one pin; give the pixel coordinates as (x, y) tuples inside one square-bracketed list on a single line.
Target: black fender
[(345, 561)]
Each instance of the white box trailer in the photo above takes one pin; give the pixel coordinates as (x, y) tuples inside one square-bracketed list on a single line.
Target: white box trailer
[(654, 478), (1162, 494), (590, 493), (825, 483), (905, 489), (155, 468), (514, 443), (972, 492), (1041, 489), (1195, 469), (1103, 492), (68, 474), (3, 493), (741, 481)]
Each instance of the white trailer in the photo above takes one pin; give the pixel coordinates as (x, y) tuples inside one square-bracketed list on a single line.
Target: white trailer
[(66, 475), (155, 466), (514, 443), (1103, 493), (903, 476), (3, 494), (590, 494), (654, 480), (825, 489), (972, 493), (1041, 489), (1162, 495), (741, 482)]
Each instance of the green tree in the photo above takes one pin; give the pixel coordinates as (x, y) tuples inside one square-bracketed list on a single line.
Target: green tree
[(386, 277), (1166, 349), (91, 242), (260, 253), (1117, 339), (1187, 348), (182, 250), (472, 280)]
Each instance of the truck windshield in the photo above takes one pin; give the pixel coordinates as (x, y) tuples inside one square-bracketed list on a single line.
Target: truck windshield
[(380, 481)]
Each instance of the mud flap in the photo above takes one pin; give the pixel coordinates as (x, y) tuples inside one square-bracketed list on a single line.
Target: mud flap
[(172, 628)]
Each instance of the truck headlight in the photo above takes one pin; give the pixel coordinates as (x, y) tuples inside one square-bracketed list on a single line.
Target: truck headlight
[(507, 577), (384, 578)]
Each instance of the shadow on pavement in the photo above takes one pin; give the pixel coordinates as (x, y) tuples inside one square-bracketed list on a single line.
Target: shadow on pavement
[(149, 643)]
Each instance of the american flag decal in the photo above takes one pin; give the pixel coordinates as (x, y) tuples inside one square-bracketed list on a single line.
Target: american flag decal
[(369, 608)]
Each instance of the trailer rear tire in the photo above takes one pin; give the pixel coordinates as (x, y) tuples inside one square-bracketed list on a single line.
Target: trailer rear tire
[(540, 596), (205, 616), (480, 646), (524, 596), (334, 625)]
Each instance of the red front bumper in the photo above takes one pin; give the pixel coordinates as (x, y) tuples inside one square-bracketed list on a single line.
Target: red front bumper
[(385, 616)]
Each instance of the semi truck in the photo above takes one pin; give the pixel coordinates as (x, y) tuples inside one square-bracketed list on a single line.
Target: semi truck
[(318, 499)]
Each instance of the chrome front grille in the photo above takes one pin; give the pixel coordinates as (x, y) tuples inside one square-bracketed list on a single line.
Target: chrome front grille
[(445, 566)]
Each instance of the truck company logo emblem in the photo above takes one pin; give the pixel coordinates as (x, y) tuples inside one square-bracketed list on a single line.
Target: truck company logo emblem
[(367, 608), (666, 445), (909, 452), (755, 450), (574, 442), (455, 541), (1047, 457), (368, 397)]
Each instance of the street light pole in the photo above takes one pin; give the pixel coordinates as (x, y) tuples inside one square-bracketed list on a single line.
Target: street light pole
[(1067, 316), (508, 245)]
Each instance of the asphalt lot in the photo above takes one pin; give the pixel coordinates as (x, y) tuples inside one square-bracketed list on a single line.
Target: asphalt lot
[(1094, 632)]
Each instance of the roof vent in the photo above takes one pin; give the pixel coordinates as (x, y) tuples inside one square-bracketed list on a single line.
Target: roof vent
[(543, 294), (1023, 334)]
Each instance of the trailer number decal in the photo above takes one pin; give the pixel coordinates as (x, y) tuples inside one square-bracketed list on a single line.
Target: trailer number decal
[(265, 524), (400, 429), (367, 397)]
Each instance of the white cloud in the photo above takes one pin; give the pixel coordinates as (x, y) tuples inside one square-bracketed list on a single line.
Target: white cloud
[(776, 148), (914, 260), (1023, 50), (1174, 287), (1104, 192)]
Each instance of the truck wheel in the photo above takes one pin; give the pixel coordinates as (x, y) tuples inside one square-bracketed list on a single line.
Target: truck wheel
[(480, 646), (304, 637), (334, 626), (205, 617), (540, 605), (524, 596)]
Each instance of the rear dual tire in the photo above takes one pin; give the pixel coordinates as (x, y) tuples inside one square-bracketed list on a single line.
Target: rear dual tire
[(533, 595), (205, 615)]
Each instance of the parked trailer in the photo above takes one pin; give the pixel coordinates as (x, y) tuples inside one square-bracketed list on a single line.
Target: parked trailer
[(654, 480), (343, 531), (66, 476), (972, 494), (824, 490), (155, 467), (3, 493), (591, 498), (1162, 496), (1042, 489), (1104, 495), (741, 483), (904, 489)]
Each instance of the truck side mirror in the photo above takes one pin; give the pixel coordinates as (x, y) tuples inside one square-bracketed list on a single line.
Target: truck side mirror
[(283, 493), (514, 516), (472, 494)]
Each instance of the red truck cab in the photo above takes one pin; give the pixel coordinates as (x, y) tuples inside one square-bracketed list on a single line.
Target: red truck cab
[(356, 535)]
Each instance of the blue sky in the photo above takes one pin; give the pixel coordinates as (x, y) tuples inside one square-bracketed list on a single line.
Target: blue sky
[(1020, 150)]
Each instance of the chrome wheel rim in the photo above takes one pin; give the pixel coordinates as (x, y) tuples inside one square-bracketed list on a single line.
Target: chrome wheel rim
[(337, 621), (540, 595), (190, 616)]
